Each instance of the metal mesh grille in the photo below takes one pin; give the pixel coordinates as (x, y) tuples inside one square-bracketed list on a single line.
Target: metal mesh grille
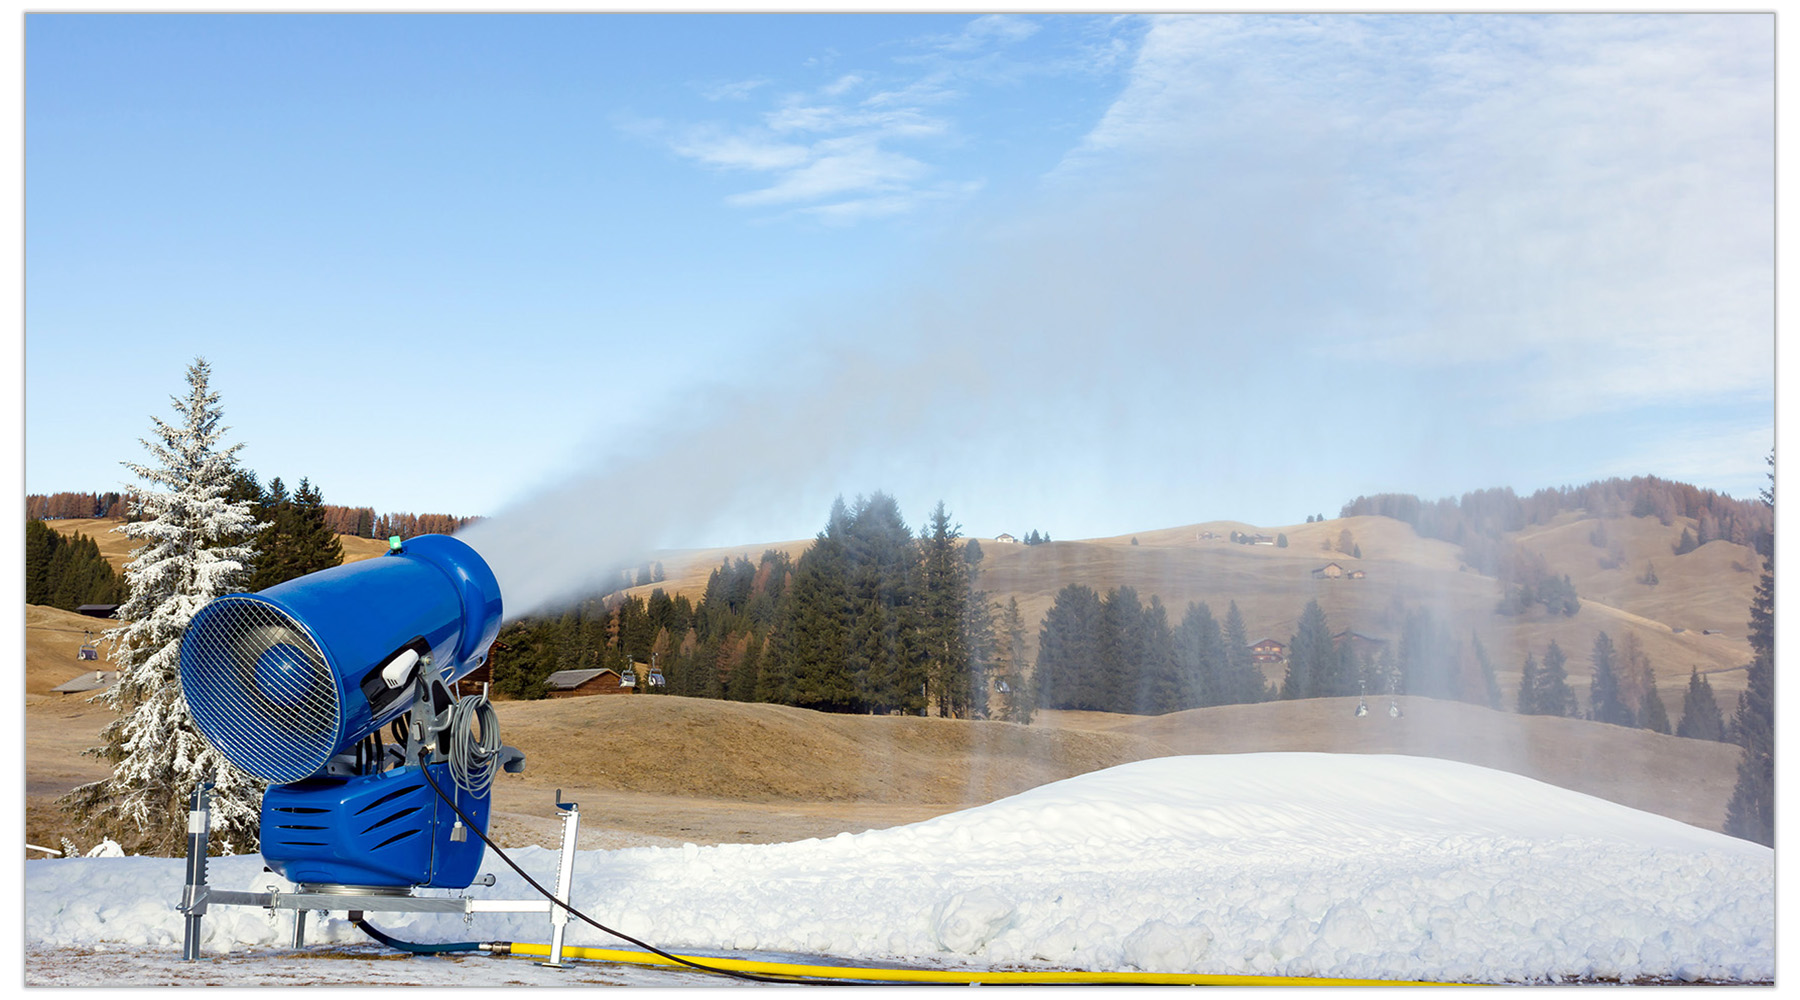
[(259, 689)]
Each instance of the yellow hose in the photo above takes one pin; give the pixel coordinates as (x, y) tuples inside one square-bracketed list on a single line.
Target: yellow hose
[(970, 976)]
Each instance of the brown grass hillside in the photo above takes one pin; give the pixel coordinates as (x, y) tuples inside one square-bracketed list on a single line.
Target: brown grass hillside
[(667, 769), (117, 548), (697, 747), (1698, 591), (711, 764), (687, 769), (52, 639)]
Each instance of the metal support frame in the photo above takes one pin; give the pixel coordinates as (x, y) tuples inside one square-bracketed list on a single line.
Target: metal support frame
[(565, 878), (197, 896)]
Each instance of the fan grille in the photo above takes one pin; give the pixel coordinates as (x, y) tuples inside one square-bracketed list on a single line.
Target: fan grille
[(260, 690)]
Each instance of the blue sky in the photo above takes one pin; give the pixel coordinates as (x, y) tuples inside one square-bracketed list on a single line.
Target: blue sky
[(698, 274)]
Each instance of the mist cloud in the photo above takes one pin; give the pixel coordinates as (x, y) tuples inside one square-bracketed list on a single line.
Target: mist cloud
[(1296, 253)]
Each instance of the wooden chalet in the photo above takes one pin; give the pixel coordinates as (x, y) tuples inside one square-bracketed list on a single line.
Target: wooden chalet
[(1360, 644), (582, 683), (1268, 651)]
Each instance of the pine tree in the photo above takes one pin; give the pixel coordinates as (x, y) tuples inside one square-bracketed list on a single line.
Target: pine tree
[(1305, 653), (805, 657), (1113, 680), (67, 572), (1700, 715), (294, 539), (1016, 704), (158, 755), (1554, 696), (1199, 648), (41, 544), (1068, 648), (978, 633), (944, 600), (1158, 688), (883, 655), (318, 545), (1603, 691), (1490, 685), (1244, 680), (1751, 812), (1637, 686), (1652, 713), (1528, 687), (1430, 660)]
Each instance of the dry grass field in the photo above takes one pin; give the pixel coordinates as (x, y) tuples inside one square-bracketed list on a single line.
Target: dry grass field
[(117, 548), (668, 770), (1697, 592)]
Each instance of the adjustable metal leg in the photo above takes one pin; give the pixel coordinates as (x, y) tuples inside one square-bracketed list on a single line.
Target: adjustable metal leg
[(565, 879), (299, 928), (193, 897)]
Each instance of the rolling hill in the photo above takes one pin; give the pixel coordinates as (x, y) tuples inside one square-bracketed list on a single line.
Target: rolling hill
[(688, 769), (1699, 592)]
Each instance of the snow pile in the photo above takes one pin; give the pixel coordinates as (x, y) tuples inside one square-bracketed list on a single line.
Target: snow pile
[(1256, 864)]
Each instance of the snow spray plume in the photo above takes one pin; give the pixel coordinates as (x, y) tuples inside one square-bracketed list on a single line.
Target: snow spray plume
[(1233, 232), (577, 536), (1049, 346)]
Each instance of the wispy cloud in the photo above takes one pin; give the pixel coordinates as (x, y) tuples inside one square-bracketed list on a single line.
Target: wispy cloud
[(1728, 456), (834, 167), (1579, 209), (989, 30), (742, 152), (863, 143), (736, 90)]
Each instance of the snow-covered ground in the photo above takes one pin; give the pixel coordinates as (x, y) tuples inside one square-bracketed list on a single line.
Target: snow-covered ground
[(1290, 864)]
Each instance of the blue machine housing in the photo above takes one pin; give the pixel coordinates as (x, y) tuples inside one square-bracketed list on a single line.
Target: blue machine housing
[(282, 680), (387, 829)]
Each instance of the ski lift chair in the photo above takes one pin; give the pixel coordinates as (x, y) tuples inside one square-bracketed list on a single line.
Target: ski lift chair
[(628, 679), (655, 678), (1362, 708), (87, 650)]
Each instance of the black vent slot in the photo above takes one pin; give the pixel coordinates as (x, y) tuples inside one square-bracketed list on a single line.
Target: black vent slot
[(402, 814), (389, 797), (396, 838)]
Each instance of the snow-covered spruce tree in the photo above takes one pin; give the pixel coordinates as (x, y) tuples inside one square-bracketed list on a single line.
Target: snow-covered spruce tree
[(193, 551)]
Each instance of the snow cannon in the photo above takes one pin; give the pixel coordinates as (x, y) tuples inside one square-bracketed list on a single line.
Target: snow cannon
[(295, 685)]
